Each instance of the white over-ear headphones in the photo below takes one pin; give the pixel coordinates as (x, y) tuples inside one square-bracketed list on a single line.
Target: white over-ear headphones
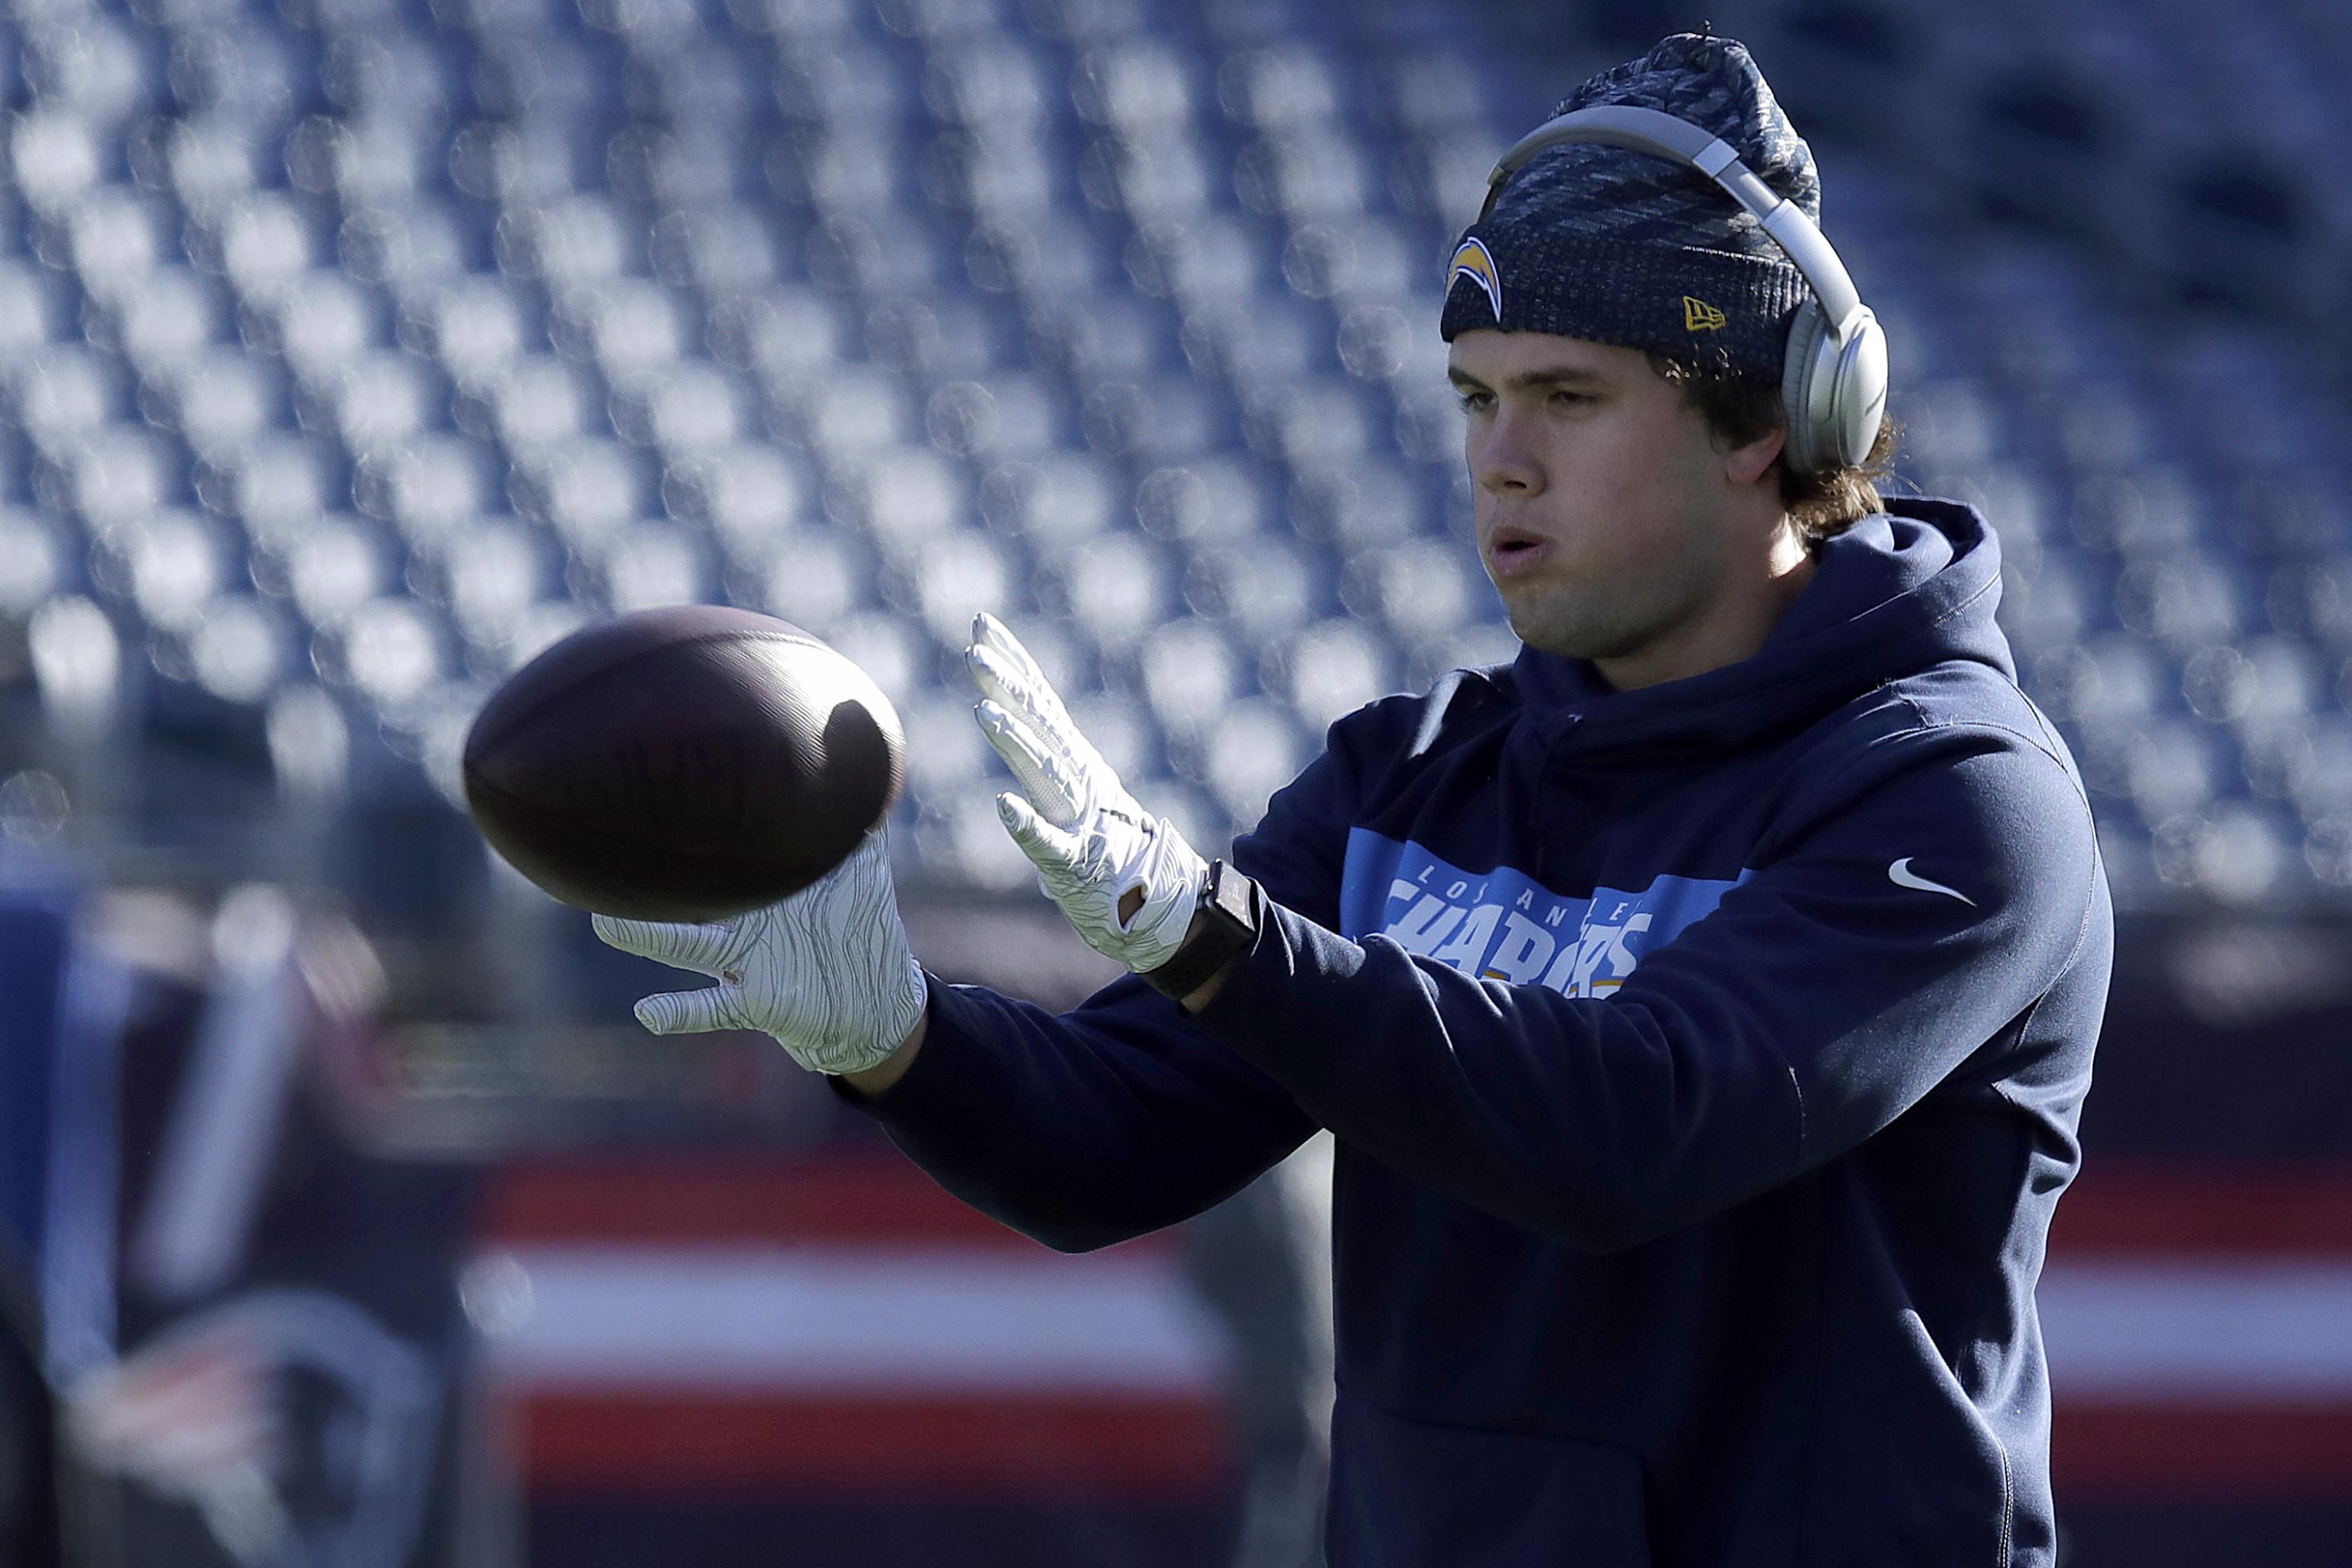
[(1834, 383)]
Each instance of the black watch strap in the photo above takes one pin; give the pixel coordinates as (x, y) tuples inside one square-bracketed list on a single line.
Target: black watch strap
[(1228, 900)]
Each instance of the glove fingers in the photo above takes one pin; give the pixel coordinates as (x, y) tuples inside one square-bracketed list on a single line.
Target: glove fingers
[(991, 636), (689, 1012), (1045, 845), (1020, 686), (1044, 778), (1012, 692), (990, 674), (700, 948)]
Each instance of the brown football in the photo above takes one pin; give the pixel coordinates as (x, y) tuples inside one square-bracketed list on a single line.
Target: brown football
[(682, 763)]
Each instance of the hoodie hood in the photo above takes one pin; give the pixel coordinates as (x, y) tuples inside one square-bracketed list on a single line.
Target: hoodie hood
[(1900, 591)]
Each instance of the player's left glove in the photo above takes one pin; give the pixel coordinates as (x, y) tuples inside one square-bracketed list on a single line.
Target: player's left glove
[(1093, 845), (827, 971)]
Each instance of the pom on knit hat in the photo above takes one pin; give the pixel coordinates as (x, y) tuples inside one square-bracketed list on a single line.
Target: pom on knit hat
[(1618, 247)]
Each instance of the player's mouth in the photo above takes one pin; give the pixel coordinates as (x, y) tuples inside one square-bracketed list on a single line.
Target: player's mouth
[(1511, 550)]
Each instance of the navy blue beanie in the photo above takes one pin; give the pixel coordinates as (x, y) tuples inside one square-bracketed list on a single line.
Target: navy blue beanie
[(1617, 247)]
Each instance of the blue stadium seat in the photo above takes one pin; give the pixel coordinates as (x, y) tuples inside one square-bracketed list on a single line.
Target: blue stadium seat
[(275, 484), (1191, 673), (582, 489), (1018, 415), (1329, 670), (54, 155), (2242, 852), (1212, 498), (63, 393), (895, 655), (174, 314), (531, 401), (719, 247), (953, 576), (1262, 586), (116, 477), (1360, 505), (1419, 589), (963, 843), (265, 242), (1255, 748), (34, 562), (641, 565), (682, 409), (310, 742), (1134, 83), (376, 403), (475, 327), (491, 575), (948, 759), (241, 649), (389, 651), (434, 485), (1116, 587), (826, 575), (749, 496), (334, 566)]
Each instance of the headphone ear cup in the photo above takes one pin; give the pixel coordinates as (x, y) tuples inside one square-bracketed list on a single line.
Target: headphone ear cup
[(1860, 391), (1834, 394), (1804, 378)]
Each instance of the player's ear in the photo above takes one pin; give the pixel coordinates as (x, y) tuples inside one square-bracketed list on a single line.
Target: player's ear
[(1745, 465)]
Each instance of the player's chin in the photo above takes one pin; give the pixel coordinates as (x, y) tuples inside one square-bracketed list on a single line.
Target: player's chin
[(1566, 621), (1544, 623)]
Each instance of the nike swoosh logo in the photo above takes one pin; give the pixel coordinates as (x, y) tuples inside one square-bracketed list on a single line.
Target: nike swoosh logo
[(1902, 876)]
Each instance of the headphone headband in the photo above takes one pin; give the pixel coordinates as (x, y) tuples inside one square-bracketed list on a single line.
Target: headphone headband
[(1676, 140), (1834, 380)]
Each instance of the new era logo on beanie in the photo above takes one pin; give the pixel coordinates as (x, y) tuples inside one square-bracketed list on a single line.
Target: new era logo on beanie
[(1618, 247)]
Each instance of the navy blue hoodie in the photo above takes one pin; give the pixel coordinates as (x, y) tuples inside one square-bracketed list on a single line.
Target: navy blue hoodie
[(1704, 1062)]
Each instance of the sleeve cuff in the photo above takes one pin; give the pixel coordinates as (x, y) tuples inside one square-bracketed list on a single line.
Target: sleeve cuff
[(928, 1079)]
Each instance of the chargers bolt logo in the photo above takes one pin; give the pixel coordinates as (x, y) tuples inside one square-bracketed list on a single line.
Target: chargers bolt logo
[(1472, 260)]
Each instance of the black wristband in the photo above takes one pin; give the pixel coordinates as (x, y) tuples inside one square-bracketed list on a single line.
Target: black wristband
[(1228, 900)]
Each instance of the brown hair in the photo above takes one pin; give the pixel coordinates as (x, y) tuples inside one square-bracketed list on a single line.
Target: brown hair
[(1737, 411)]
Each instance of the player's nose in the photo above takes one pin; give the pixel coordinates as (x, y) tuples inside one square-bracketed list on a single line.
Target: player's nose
[(1502, 460)]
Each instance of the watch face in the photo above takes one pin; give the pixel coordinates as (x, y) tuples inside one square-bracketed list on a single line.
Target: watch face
[(1229, 893), (1228, 899)]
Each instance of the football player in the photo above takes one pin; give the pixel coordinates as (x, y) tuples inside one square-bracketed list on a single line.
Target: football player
[(1703, 1002)]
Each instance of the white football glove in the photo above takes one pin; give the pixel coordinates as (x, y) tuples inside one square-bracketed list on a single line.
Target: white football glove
[(827, 971), (1092, 844)]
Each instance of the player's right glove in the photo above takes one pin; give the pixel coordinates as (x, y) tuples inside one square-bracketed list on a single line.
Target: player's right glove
[(827, 971), (1094, 847)]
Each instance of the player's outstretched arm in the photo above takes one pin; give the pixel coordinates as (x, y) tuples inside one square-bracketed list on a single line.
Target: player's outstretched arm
[(827, 971), (1079, 1129)]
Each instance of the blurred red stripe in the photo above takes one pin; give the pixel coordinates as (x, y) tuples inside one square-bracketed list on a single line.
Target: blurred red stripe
[(2179, 1451), (751, 1200), (645, 1442), (2132, 1209), (2168, 1211)]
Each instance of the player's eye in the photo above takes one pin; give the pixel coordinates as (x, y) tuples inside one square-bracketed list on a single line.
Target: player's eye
[(1473, 399), (1562, 399)]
